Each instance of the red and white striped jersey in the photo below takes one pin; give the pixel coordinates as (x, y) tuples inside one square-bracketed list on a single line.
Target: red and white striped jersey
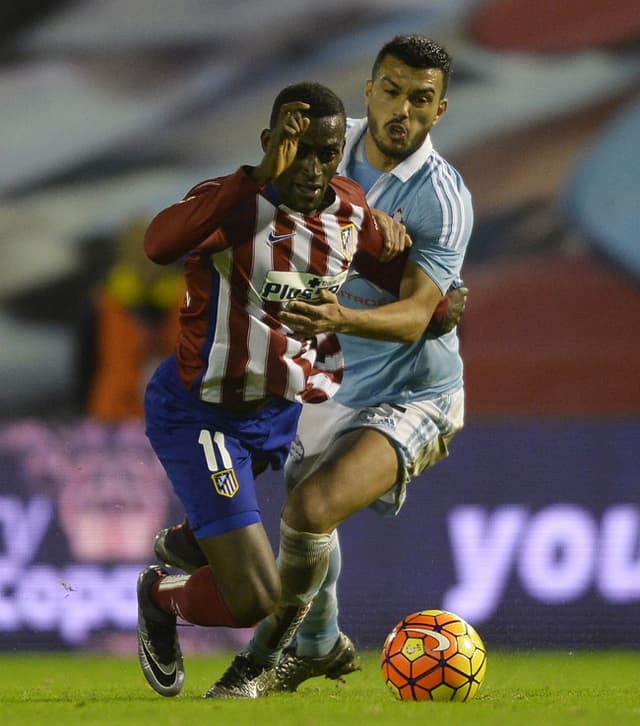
[(246, 258)]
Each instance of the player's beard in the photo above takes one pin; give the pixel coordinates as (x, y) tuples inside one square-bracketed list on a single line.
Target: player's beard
[(390, 150)]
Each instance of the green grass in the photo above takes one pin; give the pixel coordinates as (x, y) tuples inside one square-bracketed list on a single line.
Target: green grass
[(520, 688)]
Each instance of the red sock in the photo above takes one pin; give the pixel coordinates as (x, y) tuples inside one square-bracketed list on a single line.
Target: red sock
[(195, 599)]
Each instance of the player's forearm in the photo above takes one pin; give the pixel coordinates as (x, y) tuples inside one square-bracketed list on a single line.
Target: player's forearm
[(401, 322), (189, 225)]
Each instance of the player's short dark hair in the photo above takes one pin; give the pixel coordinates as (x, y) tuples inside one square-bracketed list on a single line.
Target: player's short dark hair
[(416, 51), (322, 100)]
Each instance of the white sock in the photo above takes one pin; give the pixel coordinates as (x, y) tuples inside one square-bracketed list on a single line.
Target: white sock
[(303, 562)]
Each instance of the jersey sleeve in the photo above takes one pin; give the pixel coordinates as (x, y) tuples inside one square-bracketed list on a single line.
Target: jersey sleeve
[(370, 240), (191, 224), (441, 237)]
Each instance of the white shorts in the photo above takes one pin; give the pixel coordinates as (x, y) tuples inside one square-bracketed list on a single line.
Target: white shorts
[(420, 432)]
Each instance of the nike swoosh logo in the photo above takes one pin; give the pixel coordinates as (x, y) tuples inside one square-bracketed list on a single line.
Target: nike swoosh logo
[(273, 238), (443, 641), (165, 679)]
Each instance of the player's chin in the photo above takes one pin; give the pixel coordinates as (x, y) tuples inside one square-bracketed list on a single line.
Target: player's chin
[(307, 197), (398, 148)]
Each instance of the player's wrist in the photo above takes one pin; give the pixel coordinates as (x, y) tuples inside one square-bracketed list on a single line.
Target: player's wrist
[(351, 321)]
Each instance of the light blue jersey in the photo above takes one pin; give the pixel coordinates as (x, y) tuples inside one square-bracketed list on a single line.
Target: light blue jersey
[(411, 394), (428, 195)]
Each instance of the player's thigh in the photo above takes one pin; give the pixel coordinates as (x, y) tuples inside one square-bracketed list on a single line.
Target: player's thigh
[(211, 474), (421, 432), (318, 425), (360, 466)]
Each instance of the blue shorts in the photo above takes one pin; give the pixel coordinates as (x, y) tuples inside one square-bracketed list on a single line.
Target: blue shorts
[(210, 452)]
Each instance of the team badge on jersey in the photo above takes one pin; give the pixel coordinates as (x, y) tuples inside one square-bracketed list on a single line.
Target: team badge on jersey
[(225, 482), (348, 240)]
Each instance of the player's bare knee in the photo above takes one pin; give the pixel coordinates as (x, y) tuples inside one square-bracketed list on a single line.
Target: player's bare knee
[(307, 511)]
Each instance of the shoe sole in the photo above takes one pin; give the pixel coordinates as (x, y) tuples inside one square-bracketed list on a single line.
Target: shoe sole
[(344, 668)]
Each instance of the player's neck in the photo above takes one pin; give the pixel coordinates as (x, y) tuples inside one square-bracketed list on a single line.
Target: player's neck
[(375, 157)]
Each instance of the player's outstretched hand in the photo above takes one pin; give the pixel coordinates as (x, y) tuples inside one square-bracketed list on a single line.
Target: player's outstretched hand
[(395, 235), (307, 320), (281, 142)]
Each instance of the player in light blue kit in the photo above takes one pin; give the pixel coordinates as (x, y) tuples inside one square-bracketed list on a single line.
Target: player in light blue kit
[(401, 403)]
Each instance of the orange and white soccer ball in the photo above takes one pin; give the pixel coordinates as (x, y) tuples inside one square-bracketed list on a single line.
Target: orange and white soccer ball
[(434, 655)]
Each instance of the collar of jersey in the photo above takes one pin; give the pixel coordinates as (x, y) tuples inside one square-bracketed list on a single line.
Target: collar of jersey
[(403, 171)]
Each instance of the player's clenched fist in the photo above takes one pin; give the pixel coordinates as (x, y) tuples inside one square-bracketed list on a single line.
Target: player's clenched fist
[(280, 143)]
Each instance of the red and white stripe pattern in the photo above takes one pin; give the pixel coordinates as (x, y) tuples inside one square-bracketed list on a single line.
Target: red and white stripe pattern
[(232, 346)]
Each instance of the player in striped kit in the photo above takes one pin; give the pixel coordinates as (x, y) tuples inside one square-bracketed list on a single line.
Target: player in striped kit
[(401, 402), (226, 405)]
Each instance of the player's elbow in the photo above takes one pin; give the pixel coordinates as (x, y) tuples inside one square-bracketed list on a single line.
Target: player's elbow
[(157, 248)]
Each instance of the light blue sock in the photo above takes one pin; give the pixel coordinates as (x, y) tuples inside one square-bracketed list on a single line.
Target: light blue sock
[(319, 630), (302, 562)]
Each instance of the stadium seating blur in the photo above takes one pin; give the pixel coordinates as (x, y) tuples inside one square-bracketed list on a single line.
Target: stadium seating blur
[(113, 109)]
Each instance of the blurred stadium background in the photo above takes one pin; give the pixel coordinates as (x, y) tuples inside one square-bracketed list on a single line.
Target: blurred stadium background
[(112, 109)]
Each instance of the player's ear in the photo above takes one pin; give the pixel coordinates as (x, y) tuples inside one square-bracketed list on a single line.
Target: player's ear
[(442, 108), (367, 89), (265, 135)]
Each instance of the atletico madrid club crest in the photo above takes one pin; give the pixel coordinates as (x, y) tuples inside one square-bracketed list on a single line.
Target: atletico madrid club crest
[(225, 482), (348, 240)]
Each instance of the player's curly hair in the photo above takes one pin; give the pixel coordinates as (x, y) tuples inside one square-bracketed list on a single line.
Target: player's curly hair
[(322, 100), (416, 51)]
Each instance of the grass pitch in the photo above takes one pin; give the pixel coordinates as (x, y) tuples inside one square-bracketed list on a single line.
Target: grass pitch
[(520, 688)]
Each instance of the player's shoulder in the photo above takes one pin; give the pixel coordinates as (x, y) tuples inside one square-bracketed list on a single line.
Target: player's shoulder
[(437, 172), (208, 185), (348, 188), (435, 185), (437, 206)]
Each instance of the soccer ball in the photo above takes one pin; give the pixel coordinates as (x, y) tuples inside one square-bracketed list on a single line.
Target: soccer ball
[(433, 655)]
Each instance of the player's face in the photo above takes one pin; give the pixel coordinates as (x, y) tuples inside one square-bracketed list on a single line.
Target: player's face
[(303, 185), (403, 104)]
